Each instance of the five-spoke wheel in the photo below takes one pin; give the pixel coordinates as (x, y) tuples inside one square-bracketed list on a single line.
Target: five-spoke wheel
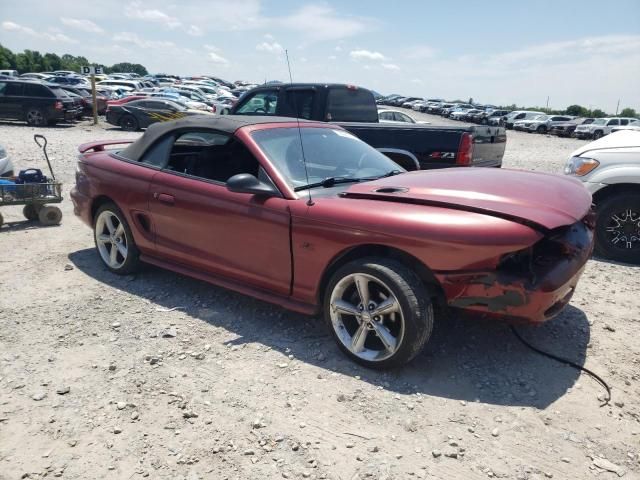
[(114, 240), (379, 312)]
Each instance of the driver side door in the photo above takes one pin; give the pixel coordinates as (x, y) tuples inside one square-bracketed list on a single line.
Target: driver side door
[(200, 224)]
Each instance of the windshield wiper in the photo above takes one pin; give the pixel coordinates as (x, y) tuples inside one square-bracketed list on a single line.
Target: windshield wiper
[(328, 182)]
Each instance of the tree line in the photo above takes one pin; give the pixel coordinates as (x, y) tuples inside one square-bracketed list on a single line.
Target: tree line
[(33, 61)]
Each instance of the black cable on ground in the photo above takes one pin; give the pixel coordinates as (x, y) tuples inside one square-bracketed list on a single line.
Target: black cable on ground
[(593, 375)]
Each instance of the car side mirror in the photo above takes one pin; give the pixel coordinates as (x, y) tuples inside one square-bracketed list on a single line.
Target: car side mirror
[(247, 183)]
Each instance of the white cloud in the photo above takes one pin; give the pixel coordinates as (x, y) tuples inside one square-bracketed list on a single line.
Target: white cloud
[(273, 47), (81, 24), (390, 66), (195, 31), (136, 11), (217, 59), (321, 22), (211, 48), (52, 35), (133, 38), (269, 37), (366, 55)]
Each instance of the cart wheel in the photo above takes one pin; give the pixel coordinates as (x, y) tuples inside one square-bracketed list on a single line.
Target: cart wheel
[(30, 211), (50, 215)]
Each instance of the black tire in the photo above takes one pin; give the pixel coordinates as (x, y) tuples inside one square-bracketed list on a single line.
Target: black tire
[(36, 117), (597, 134), (414, 300), (49, 215), (129, 123), (618, 205), (541, 129), (30, 211), (132, 262), (1, 220)]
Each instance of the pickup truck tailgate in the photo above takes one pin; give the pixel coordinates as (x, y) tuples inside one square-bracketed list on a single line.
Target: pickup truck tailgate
[(433, 146)]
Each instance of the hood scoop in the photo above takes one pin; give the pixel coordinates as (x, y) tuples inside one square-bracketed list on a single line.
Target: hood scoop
[(391, 190)]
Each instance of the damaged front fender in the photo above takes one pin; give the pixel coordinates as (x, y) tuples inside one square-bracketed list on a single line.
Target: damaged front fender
[(532, 285)]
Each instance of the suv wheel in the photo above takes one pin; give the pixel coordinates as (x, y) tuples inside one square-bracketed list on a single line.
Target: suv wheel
[(541, 129), (379, 312), (36, 117), (597, 134), (618, 228)]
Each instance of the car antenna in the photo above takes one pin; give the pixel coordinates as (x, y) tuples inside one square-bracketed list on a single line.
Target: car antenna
[(304, 161)]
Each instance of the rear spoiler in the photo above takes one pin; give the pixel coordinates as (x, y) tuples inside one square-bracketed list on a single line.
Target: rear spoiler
[(99, 145)]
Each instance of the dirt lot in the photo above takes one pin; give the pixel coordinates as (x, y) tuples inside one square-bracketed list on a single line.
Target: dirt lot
[(164, 377)]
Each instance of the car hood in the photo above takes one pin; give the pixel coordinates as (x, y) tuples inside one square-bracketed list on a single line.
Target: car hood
[(619, 139), (540, 200)]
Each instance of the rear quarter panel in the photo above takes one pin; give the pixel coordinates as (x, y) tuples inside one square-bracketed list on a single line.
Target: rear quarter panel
[(126, 184)]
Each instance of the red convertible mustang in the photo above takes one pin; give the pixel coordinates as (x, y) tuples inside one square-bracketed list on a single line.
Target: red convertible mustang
[(311, 218)]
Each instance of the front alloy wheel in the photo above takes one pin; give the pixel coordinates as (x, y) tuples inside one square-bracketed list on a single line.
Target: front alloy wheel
[(379, 312), (114, 240), (618, 228)]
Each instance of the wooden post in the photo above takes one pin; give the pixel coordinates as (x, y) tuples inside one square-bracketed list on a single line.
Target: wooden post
[(95, 104)]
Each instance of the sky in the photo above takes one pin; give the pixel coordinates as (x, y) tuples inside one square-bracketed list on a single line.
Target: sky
[(583, 52)]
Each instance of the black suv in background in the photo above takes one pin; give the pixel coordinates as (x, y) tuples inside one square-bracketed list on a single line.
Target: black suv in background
[(37, 103)]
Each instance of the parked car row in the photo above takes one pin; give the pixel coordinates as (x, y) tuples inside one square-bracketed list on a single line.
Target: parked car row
[(45, 98), (522, 120)]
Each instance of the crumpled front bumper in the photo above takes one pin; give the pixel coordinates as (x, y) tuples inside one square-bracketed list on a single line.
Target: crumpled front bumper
[(530, 286)]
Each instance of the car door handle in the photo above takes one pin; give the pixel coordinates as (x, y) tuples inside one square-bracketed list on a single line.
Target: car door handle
[(165, 198)]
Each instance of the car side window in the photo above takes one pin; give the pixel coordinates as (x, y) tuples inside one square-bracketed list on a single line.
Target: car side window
[(158, 153), (261, 103), (613, 122), (211, 155), (386, 116), (624, 121), (13, 89), (300, 102), (404, 118)]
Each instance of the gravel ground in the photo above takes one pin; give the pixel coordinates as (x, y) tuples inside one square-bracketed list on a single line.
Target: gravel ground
[(161, 376)]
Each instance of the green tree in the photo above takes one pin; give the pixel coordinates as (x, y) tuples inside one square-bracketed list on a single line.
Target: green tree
[(126, 67), (597, 113), (628, 112), (51, 62), (7, 59), (577, 111)]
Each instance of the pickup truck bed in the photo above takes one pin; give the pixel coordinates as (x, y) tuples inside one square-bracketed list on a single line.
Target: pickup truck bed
[(422, 147)]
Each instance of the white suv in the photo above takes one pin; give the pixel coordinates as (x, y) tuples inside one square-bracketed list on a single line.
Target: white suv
[(600, 127), (610, 170)]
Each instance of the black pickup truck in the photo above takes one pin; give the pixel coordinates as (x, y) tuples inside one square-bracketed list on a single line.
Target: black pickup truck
[(413, 146)]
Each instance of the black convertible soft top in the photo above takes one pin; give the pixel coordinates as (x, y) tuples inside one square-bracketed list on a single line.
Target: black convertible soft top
[(223, 123)]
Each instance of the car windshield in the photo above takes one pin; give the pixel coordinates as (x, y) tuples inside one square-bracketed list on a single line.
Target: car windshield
[(328, 153), (600, 121)]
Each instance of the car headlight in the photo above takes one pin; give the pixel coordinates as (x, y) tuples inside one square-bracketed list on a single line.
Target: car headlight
[(580, 166)]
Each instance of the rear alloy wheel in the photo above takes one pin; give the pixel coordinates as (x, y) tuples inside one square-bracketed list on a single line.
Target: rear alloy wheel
[(129, 123), (597, 134), (541, 129), (379, 312), (618, 228), (49, 215), (114, 240), (36, 118)]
